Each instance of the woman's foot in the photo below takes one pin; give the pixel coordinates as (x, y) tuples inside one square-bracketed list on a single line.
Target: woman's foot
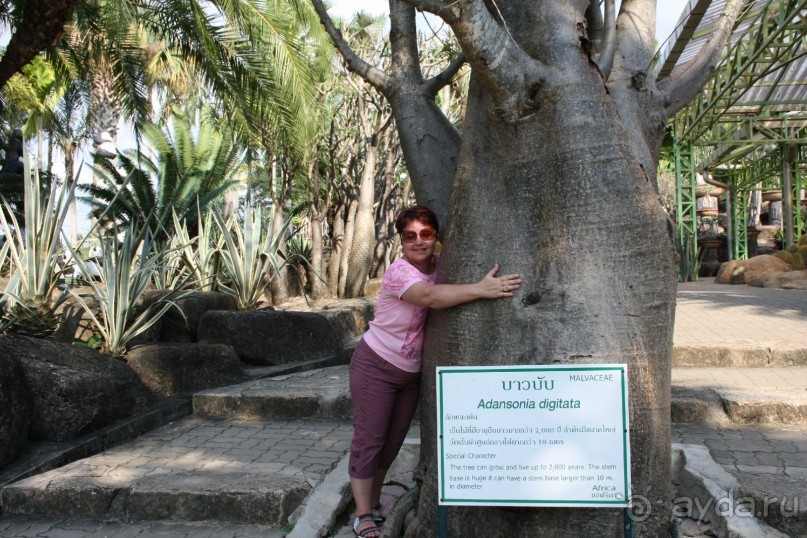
[(378, 513), (364, 526)]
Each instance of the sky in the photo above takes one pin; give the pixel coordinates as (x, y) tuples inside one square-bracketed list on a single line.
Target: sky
[(668, 12)]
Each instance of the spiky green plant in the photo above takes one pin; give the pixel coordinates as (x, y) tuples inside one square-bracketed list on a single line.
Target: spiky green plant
[(792, 249), (784, 255), (201, 254), (170, 273), (803, 251), (249, 255), (30, 299), (803, 240), (124, 274), (798, 261)]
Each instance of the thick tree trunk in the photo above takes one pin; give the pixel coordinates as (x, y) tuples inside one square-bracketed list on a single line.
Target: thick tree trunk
[(347, 248), (559, 196), (337, 245), (279, 287), (363, 243)]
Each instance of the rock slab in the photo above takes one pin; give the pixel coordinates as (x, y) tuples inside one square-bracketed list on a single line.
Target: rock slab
[(171, 368), (74, 389), (15, 418), (272, 338)]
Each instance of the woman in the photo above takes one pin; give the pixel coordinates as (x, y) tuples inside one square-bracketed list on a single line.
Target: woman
[(385, 368)]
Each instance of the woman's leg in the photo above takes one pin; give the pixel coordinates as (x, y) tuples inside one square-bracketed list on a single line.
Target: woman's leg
[(374, 388), (401, 419)]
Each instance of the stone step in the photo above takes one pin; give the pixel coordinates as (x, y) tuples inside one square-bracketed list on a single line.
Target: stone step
[(316, 394), (779, 396), (700, 355), (771, 395), (245, 472)]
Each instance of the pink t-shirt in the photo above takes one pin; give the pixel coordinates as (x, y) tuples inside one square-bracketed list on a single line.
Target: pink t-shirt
[(396, 333)]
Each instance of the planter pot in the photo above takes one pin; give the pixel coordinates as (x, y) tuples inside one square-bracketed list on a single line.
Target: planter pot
[(711, 242), (771, 196), (706, 206), (710, 190)]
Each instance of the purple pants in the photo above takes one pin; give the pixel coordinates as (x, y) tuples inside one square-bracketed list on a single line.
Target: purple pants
[(384, 401)]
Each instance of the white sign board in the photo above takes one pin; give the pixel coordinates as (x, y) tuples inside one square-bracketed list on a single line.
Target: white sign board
[(533, 436)]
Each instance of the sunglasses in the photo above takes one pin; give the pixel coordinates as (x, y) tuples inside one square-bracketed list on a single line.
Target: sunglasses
[(426, 234)]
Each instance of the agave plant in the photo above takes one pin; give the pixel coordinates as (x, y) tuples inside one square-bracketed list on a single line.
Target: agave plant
[(5, 322), (124, 274), (29, 301), (171, 273), (250, 255), (201, 255)]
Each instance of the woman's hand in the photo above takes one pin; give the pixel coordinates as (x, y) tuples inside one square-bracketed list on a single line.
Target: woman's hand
[(493, 287), (448, 295)]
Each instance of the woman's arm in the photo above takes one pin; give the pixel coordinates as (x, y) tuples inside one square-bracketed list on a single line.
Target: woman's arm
[(448, 295)]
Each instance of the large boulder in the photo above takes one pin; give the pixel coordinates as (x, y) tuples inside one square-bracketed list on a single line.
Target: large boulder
[(75, 324), (362, 309), (15, 418), (270, 338), (178, 328), (74, 389), (744, 271), (793, 280), (170, 368)]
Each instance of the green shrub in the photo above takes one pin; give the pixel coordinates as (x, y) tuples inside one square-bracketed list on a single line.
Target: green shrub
[(798, 261)]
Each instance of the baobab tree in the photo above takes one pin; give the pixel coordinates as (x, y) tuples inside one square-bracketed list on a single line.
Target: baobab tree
[(555, 179)]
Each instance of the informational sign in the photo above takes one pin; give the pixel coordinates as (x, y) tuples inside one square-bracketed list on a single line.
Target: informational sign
[(533, 436)]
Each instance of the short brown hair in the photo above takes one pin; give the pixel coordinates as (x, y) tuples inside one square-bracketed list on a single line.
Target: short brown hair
[(418, 213)]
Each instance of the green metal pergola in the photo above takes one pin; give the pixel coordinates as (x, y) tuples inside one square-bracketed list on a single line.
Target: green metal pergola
[(746, 130)]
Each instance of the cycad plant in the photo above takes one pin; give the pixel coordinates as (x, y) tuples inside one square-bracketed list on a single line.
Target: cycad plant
[(30, 299), (249, 255), (127, 266), (186, 169)]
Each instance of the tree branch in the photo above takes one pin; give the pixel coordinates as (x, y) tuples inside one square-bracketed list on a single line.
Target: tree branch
[(404, 43), (41, 26), (509, 74), (605, 59), (374, 76), (687, 80), (635, 39), (439, 81), (594, 24)]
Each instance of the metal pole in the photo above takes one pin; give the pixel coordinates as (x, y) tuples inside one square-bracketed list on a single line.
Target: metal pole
[(442, 522), (787, 196)]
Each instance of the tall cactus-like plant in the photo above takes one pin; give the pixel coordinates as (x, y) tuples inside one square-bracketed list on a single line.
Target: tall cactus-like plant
[(249, 255)]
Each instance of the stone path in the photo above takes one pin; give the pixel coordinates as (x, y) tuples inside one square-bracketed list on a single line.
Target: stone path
[(304, 450)]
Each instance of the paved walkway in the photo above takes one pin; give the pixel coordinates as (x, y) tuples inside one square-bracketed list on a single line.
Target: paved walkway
[(706, 314), (721, 314)]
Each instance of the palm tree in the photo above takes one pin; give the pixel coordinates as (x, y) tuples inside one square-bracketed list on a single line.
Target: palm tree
[(179, 169)]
